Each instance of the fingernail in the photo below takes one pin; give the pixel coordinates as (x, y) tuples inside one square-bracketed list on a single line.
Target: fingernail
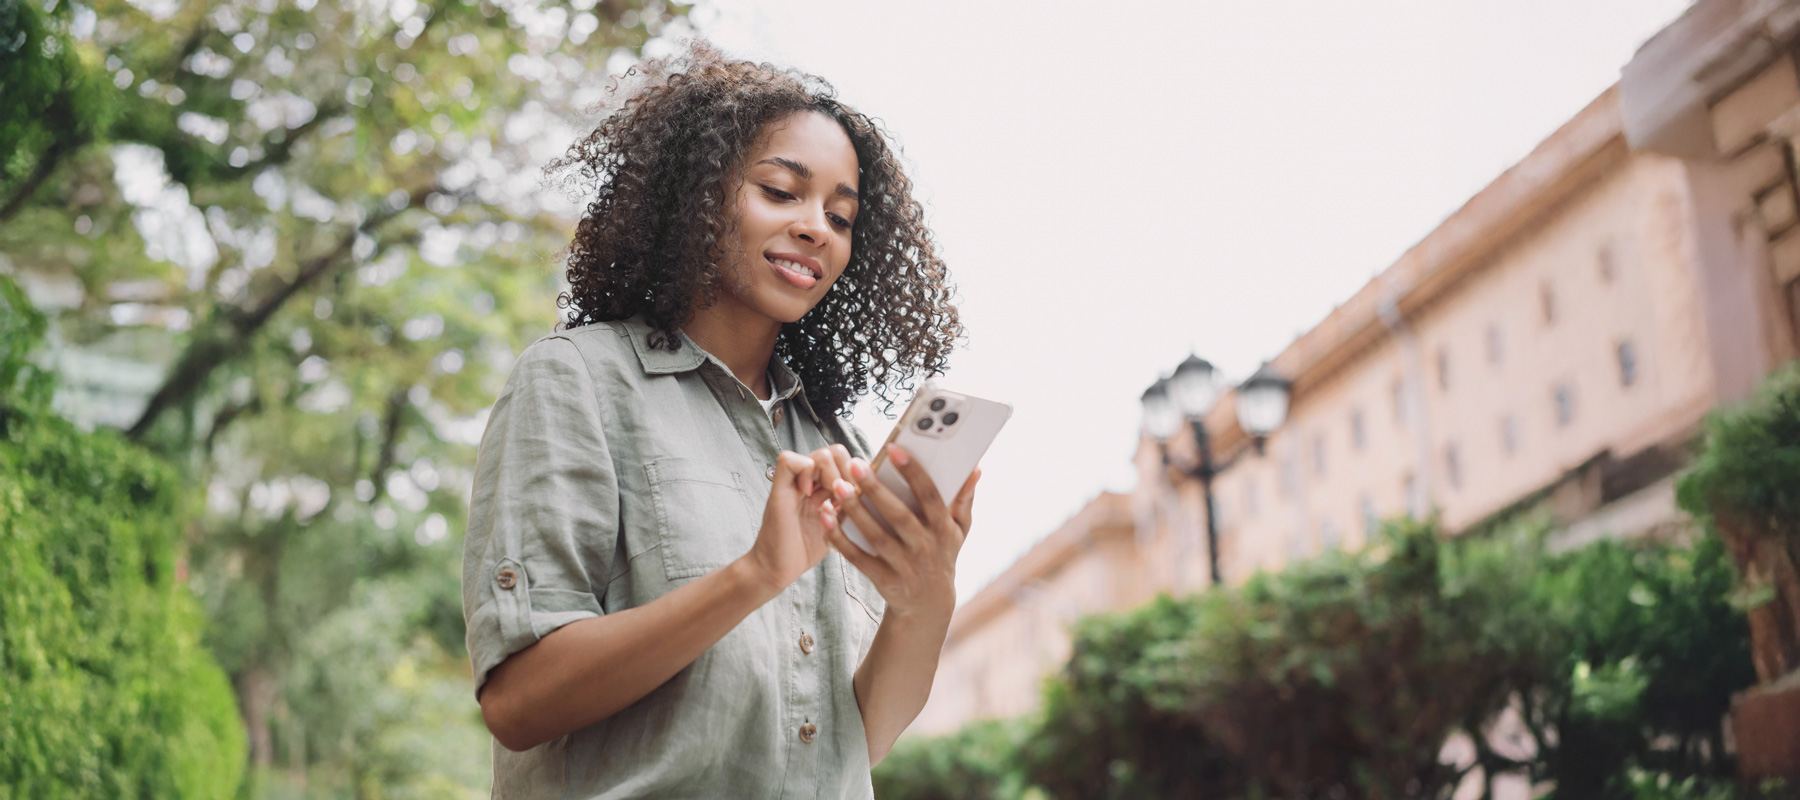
[(857, 469), (844, 488), (899, 456)]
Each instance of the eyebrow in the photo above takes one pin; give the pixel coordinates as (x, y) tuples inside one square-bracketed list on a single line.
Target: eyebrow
[(806, 173)]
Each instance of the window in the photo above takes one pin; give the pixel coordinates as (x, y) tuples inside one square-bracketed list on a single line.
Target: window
[(1356, 430), (1415, 503), (1398, 395), (1290, 478), (1509, 434), (1443, 369), (1547, 303), (1328, 535), (1452, 466), (1249, 497), (1371, 519), (1565, 404), (1319, 454), (1627, 363), (1607, 262), (1494, 350)]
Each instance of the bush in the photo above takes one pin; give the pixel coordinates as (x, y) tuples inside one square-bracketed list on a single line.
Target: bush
[(1345, 677), (105, 689), (974, 762)]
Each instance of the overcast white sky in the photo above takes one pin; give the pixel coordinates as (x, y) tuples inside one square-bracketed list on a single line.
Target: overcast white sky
[(1116, 185)]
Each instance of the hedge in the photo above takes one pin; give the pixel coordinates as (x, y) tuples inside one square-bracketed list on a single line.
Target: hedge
[(105, 687)]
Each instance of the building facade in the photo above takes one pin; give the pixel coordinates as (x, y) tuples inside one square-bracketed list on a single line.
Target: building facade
[(1556, 341)]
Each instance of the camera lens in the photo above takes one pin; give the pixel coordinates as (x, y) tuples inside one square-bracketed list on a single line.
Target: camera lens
[(938, 404), (950, 418), (924, 423)]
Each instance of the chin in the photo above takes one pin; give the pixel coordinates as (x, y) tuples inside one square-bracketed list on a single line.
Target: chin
[(786, 308)]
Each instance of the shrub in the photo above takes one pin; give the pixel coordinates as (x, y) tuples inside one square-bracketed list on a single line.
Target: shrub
[(105, 689), (977, 761), (1345, 676)]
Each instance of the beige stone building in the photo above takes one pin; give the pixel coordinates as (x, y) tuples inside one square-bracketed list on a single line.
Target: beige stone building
[(1558, 339)]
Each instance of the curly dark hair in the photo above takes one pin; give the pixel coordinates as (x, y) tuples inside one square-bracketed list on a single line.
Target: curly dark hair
[(658, 171)]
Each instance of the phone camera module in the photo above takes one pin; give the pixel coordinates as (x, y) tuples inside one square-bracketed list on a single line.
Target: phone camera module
[(925, 423), (950, 418), (938, 405)]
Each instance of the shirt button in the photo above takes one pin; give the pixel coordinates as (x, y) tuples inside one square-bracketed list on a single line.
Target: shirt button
[(806, 643), (507, 579), (778, 415), (808, 732), (769, 474)]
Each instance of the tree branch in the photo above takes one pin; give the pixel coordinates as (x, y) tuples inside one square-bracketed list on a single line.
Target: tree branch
[(207, 351), (46, 165), (390, 439), (279, 151)]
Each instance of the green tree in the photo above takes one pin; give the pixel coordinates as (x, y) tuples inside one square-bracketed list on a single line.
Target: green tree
[(321, 224)]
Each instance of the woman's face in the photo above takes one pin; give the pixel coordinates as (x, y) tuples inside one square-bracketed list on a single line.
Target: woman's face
[(796, 202)]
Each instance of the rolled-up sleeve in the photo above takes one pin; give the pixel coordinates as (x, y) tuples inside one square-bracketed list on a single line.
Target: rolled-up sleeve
[(543, 517)]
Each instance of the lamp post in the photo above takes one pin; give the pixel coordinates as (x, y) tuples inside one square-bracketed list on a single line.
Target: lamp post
[(1189, 394)]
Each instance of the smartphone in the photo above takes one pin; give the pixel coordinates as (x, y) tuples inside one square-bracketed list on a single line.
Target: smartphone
[(946, 433)]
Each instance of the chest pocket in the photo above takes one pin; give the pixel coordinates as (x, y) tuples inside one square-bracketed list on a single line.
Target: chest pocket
[(703, 516)]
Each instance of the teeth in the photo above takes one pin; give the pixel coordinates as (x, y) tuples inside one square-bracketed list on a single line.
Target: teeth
[(792, 267)]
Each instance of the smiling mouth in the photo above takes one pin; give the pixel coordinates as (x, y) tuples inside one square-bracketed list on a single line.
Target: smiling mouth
[(801, 275)]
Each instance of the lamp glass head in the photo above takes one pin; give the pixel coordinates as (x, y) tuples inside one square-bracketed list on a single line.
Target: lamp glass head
[(1195, 386), (1161, 417), (1262, 402)]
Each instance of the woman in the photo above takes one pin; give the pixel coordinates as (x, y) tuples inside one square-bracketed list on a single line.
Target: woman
[(660, 602)]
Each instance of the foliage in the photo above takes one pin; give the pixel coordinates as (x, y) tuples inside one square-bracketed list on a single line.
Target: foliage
[(1751, 462), (975, 761), (1644, 651), (317, 226), (105, 688), (1610, 669), (1745, 487)]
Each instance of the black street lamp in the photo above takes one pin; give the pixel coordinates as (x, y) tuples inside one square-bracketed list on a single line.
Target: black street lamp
[(1189, 394)]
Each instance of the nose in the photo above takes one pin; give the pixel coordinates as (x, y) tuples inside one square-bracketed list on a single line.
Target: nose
[(810, 226)]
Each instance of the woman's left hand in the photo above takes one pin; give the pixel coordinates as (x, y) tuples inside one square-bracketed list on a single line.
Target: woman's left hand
[(914, 566)]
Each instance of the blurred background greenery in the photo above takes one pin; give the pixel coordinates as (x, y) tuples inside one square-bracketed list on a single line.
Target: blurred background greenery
[(287, 250)]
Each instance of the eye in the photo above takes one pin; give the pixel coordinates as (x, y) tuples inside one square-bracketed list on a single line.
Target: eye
[(777, 193), (840, 221)]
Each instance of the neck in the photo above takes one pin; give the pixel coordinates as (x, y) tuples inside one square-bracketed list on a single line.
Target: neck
[(740, 337)]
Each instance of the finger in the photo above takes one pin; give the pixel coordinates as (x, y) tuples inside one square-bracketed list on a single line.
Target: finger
[(877, 569), (794, 470), (962, 509), (904, 523), (840, 455), (825, 467), (887, 544), (931, 503)]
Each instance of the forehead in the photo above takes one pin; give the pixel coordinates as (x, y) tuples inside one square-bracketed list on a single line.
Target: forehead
[(813, 139)]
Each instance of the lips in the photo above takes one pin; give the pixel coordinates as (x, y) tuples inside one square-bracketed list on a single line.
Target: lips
[(798, 270)]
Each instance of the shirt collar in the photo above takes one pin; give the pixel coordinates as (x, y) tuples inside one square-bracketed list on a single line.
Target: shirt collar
[(662, 361)]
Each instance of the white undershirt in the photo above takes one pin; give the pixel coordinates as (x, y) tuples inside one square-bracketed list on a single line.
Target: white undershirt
[(769, 404)]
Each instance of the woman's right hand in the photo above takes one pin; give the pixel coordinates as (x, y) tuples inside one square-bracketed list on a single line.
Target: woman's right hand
[(802, 505)]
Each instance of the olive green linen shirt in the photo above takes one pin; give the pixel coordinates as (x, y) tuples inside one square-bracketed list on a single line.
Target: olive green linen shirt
[(612, 472)]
